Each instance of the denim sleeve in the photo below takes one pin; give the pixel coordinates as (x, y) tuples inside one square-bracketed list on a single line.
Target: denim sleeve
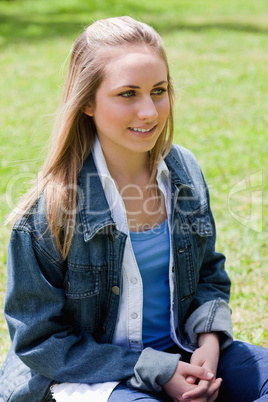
[(213, 316), (43, 340), (153, 369)]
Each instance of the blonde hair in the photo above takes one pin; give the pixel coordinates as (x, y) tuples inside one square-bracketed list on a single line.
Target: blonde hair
[(74, 132)]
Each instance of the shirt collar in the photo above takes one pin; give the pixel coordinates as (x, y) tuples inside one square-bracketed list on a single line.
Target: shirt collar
[(103, 169), (162, 170)]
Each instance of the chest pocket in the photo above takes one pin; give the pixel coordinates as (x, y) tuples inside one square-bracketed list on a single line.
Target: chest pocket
[(82, 290), (82, 283)]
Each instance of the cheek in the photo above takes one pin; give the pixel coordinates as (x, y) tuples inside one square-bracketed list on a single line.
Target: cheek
[(104, 112), (111, 117), (164, 108), (118, 113)]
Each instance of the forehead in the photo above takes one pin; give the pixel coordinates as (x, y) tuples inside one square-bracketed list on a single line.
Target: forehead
[(134, 63)]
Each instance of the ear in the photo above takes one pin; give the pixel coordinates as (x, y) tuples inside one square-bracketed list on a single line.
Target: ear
[(89, 110)]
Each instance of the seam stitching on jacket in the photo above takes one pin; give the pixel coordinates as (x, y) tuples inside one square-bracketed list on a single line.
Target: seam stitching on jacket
[(211, 315)]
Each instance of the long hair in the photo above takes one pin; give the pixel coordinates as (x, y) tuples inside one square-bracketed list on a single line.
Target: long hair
[(74, 132)]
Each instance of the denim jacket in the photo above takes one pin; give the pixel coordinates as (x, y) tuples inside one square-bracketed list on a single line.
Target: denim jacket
[(62, 314)]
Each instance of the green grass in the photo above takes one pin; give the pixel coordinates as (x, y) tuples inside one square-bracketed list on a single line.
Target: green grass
[(218, 54)]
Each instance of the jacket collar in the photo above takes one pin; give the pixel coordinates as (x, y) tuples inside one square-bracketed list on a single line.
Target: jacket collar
[(177, 167), (92, 203)]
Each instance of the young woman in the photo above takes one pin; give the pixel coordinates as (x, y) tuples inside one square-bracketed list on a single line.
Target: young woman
[(115, 291)]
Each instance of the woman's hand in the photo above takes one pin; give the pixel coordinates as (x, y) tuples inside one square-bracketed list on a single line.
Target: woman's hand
[(207, 356), (201, 386), (177, 386)]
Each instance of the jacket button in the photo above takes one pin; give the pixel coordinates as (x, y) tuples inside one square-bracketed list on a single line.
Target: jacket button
[(111, 236), (115, 290), (173, 269), (67, 286)]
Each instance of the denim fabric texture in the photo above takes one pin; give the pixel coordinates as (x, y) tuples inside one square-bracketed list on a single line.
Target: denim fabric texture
[(62, 314)]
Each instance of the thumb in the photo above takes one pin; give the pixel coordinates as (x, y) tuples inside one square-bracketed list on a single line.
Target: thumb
[(190, 379)]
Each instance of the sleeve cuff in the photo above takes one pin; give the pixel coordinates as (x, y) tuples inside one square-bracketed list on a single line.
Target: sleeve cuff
[(212, 316), (153, 369)]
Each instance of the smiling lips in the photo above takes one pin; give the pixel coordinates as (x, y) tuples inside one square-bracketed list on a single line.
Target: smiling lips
[(142, 130)]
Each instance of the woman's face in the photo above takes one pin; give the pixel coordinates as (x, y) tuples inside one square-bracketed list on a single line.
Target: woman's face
[(132, 104)]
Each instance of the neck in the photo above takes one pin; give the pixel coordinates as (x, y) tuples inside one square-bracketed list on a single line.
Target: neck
[(128, 168)]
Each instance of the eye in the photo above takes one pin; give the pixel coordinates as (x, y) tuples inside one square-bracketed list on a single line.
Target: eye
[(127, 94), (159, 91)]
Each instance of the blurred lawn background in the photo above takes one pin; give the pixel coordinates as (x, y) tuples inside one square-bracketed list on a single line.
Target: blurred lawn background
[(218, 54)]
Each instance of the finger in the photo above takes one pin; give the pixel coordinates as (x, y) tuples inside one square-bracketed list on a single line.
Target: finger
[(199, 391), (214, 388), (214, 397), (190, 380), (198, 372), (203, 389)]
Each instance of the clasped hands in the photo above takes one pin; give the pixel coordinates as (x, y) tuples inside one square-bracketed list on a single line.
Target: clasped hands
[(196, 381)]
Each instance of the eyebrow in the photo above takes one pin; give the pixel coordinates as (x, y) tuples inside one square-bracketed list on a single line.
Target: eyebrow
[(137, 87), (160, 83)]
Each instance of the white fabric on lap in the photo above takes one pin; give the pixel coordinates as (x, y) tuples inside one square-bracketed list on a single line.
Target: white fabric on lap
[(69, 392)]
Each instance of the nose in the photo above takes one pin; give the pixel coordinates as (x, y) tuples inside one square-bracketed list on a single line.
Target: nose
[(147, 109)]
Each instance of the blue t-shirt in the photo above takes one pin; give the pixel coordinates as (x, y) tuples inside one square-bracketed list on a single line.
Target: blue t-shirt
[(152, 252)]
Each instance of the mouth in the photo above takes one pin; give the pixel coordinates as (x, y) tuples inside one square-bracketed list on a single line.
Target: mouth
[(141, 131)]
